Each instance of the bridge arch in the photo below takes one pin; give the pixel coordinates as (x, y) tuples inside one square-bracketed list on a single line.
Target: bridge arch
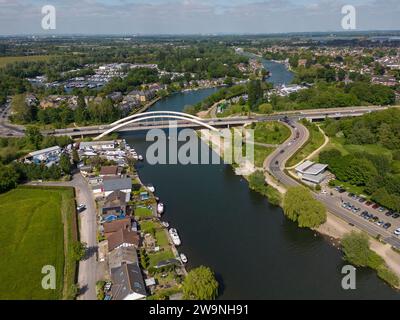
[(197, 121), (138, 115)]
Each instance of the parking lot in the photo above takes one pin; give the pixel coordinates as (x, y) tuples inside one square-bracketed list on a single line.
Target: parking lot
[(371, 212)]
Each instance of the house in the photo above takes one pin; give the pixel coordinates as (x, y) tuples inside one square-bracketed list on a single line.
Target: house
[(311, 172), (128, 283), (119, 184), (110, 171), (115, 203), (302, 62), (122, 238), (114, 226), (118, 257)]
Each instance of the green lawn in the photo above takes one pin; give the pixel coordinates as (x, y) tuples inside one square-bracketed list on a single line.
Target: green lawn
[(155, 258), (7, 60), (260, 154), (143, 212), (32, 236), (315, 141), (162, 238), (271, 132)]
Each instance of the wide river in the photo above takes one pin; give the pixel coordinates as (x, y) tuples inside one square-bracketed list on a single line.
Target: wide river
[(254, 250)]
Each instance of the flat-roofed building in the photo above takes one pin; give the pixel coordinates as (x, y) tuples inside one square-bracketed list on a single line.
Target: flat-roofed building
[(311, 172)]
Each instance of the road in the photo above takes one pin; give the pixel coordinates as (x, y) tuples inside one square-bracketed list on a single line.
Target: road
[(7, 129), (87, 275), (275, 164), (217, 122)]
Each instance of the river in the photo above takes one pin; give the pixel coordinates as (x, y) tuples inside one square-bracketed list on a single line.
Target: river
[(254, 250)]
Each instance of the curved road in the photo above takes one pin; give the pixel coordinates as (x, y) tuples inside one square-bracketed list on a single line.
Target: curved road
[(275, 164)]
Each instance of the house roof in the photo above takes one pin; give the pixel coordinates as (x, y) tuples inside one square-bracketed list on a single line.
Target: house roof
[(316, 169), (115, 199), (121, 237), (122, 255), (304, 166), (117, 184), (317, 179), (127, 280), (109, 170), (114, 226), (39, 152)]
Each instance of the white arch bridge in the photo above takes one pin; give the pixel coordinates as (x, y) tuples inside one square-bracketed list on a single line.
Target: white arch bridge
[(162, 119)]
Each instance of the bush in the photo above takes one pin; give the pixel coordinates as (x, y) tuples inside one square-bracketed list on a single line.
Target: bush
[(388, 276)]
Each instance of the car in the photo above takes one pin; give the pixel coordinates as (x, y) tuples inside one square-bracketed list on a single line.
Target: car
[(396, 216), (389, 213), (386, 226), (375, 206), (282, 151), (381, 209), (397, 232), (380, 223), (368, 203), (81, 208), (375, 219), (351, 195), (362, 200), (341, 190)]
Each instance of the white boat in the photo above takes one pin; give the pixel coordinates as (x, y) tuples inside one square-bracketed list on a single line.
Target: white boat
[(165, 224), (141, 158), (151, 188), (183, 258), (160, 208), (175, 237)]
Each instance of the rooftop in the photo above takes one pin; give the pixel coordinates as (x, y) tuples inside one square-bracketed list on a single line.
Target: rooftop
[(127, 281), (117, 184)]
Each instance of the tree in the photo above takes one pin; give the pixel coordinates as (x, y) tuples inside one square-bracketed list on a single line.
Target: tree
[(356, 249), (8, 178), (79, 250), (75, 156), (34, 136), (255, 93), (300, 206), (65, 164), (200, 284), (265, 108)]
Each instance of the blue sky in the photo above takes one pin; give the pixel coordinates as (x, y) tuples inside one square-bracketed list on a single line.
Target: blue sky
[(195, 16)]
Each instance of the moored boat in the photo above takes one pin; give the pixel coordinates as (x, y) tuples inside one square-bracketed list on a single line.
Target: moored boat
[(183, 258), (174, 236), (160, 208)]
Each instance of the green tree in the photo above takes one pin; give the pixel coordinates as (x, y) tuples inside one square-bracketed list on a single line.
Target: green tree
[(265, 108), (200, 284), (79, 250), (34, 136), (65, 164), (300, 206)]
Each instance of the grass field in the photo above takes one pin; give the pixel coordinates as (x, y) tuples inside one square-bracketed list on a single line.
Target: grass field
[(32, 235), (260, 154), (271, 133), (315, 141), (143, 212), (7, 60)]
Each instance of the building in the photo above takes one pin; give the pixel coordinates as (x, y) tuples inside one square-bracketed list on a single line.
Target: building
[(114, 226), (119, 184), (118, 257), (311, 172), (115, 203), (128, 283), (48, 155), (97, 145), (110, 171), (122, 239)]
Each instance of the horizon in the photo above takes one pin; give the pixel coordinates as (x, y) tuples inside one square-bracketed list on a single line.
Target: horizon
[(194, 17)]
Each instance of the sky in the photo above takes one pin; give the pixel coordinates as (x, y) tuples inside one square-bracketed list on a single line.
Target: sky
[(195, 16)]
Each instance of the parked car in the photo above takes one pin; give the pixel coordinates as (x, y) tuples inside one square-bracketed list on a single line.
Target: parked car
[(375, 206), (389, 213), (397, 232), (380, 223), (362, 200), (368, 203), (81, 208), (386, 226), (396, 216), (381, 209)]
